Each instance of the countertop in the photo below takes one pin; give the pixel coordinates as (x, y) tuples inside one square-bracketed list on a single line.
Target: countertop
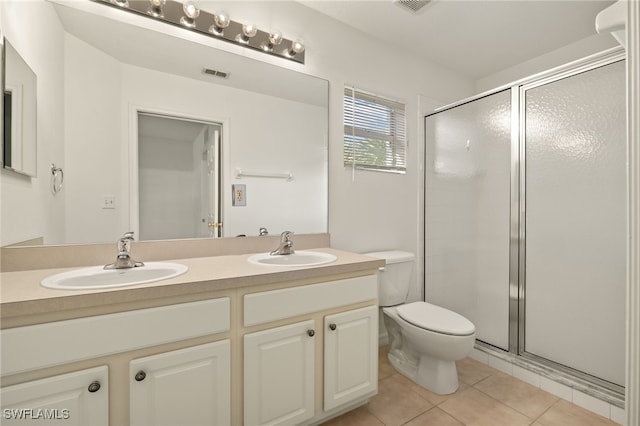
[(21, 293)]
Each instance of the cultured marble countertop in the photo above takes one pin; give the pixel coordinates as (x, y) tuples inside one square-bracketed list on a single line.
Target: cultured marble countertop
[(21, 293)]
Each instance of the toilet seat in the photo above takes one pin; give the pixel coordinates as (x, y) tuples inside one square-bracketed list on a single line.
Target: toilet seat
[(435, 318)]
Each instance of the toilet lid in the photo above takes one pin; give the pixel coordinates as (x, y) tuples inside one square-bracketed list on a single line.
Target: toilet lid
[(435, 318)]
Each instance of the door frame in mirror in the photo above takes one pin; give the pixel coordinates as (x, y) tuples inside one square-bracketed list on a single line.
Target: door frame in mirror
[(133, 150)]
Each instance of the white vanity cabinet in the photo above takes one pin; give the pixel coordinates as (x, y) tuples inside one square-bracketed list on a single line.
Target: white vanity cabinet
[(188, 381), (350, 356), (80, 398), (189, 386), (279, 368), (324, 361)]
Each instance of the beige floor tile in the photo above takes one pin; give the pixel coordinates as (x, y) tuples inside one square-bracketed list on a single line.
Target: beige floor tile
[(563, 413), (471, 371), (358, 417), (517, 394), (474, 408), (396, 403), (434, 417)]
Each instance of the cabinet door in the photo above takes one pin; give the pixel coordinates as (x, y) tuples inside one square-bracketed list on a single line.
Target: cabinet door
[(350, 356), (279, 366), (79, 398), (184, 387)]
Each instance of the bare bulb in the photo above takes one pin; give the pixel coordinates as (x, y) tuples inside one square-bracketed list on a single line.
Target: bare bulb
[(296, 47), (220, 22)]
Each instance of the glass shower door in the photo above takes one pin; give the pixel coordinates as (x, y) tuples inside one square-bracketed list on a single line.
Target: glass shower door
[(467, 216), (575, 150)]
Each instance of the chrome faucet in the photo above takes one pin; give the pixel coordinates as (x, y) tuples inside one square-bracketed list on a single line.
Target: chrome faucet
[(286, 245), (263, 231), (124, 260)]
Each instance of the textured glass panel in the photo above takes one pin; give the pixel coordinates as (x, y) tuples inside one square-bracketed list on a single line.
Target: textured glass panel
[(575, 222), (467, 213)]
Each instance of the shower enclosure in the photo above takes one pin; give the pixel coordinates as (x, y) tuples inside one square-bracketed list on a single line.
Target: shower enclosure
[(525, 203)]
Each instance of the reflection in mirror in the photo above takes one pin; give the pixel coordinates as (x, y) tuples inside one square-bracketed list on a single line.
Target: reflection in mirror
[(116, 64), (19, 138), (178, 178)]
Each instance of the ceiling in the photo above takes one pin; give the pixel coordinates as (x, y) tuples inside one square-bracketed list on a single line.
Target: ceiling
[(474, 37)]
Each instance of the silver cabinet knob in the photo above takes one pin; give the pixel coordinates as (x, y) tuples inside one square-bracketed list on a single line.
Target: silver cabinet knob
[(94, 387), (332, 326), (311, 332), (140, 376)]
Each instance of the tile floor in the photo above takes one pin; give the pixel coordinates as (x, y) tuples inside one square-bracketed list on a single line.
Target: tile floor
[(486, 397)]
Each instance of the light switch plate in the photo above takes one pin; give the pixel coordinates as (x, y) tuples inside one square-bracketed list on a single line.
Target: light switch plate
[(239, 194)]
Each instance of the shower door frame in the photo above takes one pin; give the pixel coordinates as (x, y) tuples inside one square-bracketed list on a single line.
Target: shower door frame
[(517, 231), (517, 345)]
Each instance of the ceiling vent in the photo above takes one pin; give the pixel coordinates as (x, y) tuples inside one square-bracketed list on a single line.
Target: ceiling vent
[(215, 73), (413, 6)]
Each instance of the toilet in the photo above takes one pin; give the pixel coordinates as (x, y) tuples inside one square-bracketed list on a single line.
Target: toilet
[(425, 340)]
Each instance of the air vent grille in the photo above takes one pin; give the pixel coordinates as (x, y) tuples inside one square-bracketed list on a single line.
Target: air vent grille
[(413, 6), (215, 73)]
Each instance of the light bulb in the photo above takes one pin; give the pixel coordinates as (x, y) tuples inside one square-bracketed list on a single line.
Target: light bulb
[(191, 12), (155, 8), (248, 31), (296, 47), (220, 22), (274, 39)]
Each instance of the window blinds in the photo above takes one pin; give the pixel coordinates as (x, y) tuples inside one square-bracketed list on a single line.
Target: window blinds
[(374, 132)]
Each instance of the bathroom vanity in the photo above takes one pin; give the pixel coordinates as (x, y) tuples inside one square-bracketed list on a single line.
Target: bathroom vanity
[(228, 342)]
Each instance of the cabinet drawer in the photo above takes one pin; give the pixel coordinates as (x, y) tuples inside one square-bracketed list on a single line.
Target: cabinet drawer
[(44, 345), (275, 305)]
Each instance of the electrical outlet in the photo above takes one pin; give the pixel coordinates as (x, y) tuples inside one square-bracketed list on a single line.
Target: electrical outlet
[(239, 194), (109, 202)]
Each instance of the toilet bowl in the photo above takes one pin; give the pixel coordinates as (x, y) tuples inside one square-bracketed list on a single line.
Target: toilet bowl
[(425, 340)]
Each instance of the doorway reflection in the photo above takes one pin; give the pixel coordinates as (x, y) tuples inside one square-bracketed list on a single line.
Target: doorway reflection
[(179, 171)]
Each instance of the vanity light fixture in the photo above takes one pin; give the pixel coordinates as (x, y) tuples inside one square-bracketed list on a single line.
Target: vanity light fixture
[(218, 25)]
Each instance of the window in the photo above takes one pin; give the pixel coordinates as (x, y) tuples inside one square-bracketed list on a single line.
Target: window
[(374, 132)]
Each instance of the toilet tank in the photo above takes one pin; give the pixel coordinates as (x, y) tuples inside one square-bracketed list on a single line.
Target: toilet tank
[(394, 279)]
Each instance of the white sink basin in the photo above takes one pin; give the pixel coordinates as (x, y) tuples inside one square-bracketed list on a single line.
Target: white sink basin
[(97, 277), (299, 258)]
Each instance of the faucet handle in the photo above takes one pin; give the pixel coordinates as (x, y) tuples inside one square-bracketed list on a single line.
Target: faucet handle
[(128, 236), (286, 236), (123, 243)]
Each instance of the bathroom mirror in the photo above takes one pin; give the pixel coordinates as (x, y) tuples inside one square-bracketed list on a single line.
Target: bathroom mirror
[(19, 138), (274, 122)]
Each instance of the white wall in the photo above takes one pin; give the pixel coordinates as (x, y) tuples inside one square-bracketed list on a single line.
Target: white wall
[(93, 154), (563, 55), (29, 200)]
